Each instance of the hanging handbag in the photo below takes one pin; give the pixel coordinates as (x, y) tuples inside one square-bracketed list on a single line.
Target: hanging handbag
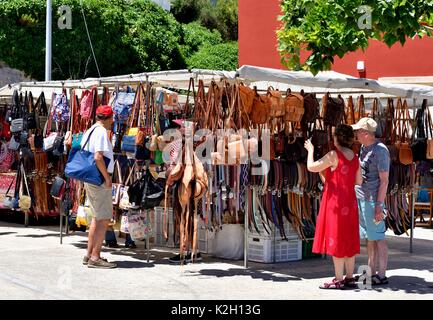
[(404, 151), (13, 144), (17, 125), (419, 137), (276, 102), (81, 165), (294, 105), (333, 110), (41, 112), (117, 186), (25, 201), (58, 188), (261, 109), (311, 107), (60, 107)]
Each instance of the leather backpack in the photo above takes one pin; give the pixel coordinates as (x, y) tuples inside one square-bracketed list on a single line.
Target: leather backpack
[(294, 105), (261, 109), (333, 110), (276, 102), (311, 107), (247, 98)]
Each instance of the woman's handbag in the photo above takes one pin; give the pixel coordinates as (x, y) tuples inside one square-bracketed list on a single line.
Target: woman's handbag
[(139, 226), (58, 188), (333, 110), (81, 165)]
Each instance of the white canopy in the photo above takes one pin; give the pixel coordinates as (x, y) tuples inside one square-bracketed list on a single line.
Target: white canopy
[(261, 77)]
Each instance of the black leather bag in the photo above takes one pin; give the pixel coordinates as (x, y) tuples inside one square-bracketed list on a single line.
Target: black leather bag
[(419, 144), (334, 110), (58, 146), (58, 188)]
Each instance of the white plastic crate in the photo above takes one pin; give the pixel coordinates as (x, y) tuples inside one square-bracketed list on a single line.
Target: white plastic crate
[(158, 220), (291, 234), (205, 238), (269, 250)]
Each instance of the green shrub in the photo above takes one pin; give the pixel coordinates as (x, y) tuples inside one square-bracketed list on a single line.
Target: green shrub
[(219, 57), (195, 36)]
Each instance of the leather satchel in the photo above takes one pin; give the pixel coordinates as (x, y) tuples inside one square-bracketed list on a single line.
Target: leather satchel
[(294, 105), (419, 139), (261, 109), (404, 151), (276, 102), (311, 107), (247, 98), (333, 110), (429, 152), (58, 188)]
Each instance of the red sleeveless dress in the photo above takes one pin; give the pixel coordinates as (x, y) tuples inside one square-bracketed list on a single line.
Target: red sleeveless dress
[(337, 226)]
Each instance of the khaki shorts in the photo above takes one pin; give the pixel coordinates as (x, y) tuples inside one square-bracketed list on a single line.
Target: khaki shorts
[(101, 202)]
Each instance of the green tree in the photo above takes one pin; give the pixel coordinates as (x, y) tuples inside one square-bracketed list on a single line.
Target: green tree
[(222, 16), (128, 36), (186, 11), (329, 28), (195, 36), (218, 57)]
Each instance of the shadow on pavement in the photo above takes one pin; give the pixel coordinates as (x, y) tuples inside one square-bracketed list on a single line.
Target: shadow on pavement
[(133, 264), (6, 233), (254, 274)]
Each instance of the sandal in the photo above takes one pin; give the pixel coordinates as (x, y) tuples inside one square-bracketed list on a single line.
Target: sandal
[(335, 284), (350, 282), (377, 280)]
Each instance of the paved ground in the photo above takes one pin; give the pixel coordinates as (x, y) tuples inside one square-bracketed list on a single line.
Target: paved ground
[(33, 265)]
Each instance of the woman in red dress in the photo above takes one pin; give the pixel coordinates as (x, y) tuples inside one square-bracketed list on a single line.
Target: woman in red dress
[(337, 227)]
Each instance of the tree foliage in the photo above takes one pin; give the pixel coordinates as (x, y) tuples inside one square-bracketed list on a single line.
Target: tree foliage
[(195, 36), (329, 28), (186, 11), (218, 57), (128, 36)]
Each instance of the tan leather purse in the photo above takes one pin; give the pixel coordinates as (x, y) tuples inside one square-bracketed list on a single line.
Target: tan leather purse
[(261, 109), (294, 105), (276, 102)]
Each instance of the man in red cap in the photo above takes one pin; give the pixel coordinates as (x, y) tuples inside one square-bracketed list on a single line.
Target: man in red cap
[(100, 197)]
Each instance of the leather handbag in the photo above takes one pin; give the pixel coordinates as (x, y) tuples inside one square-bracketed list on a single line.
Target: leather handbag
[(81, 165), (58, 188), (17, 125), (311, 107), (294, 105), (404, 151), (419, 137), (333, 110), (276, 102), (246, 98), (261, 109)]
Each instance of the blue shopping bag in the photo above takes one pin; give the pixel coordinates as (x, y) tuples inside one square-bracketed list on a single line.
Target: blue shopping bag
[(82, 166)]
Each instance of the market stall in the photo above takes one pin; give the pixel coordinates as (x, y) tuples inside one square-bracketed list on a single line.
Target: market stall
[(276, 198)]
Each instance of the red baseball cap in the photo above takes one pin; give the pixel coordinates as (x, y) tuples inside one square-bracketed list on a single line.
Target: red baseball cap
[(104, 110)]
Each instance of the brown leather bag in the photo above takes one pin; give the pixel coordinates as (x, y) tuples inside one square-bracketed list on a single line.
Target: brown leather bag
[(277, 103), (294, 104), (404, 150), (311, 107), (247, 98), (261, 109), (333, 110)]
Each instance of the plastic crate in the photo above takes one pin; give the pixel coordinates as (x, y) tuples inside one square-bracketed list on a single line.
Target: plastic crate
[(307, 253), (267, 250), (290, 232)]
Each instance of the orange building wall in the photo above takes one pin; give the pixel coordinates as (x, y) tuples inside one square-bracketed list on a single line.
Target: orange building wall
[(258, 46)]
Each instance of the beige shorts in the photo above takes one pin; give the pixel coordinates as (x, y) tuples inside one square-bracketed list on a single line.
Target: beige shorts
[(101, 202)]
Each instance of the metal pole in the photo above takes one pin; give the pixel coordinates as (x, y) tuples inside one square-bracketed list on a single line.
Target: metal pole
[(247, 204), (61, 228), (147, 238), (48, 38)]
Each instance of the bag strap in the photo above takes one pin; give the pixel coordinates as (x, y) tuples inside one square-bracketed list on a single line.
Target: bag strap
[(10, 185), (190, 86), (25, 179), (361, 108), (429, 122), (88, 137)]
